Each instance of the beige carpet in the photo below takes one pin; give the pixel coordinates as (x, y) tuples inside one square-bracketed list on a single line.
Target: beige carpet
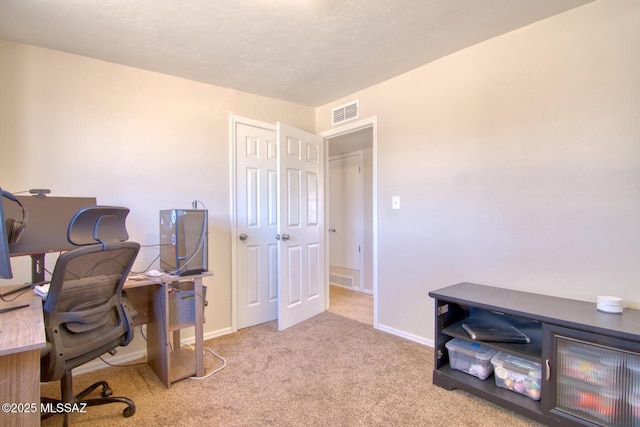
[(326, 371)]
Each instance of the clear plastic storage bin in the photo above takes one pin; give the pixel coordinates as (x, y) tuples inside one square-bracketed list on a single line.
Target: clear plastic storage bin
[(517, 374), (470, 357)]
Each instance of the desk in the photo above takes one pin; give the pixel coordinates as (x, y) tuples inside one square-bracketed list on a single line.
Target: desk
[(21, 338), (165, 355)]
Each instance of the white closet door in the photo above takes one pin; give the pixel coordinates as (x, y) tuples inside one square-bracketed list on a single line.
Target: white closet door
[(300, 225), (256, 219)]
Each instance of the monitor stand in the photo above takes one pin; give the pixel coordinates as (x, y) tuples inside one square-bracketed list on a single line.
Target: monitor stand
[(37, 275), (37, 268)]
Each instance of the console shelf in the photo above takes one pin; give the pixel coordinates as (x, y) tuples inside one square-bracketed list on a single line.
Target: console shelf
[(532, 350), (561, 331)]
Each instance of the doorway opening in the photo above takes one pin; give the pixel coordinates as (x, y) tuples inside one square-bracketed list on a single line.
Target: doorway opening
[(351, 220)]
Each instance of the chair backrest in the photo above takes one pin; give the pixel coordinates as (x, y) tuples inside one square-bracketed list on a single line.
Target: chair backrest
[(84, 312)]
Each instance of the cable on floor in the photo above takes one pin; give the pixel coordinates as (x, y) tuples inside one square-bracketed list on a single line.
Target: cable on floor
[(224, 363), (122, 366)]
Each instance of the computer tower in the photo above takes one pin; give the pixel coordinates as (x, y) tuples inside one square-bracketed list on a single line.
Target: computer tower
[(183, 241)]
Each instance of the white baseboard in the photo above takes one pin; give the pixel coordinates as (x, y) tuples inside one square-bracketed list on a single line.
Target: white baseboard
[(406, 335), (126, 358)]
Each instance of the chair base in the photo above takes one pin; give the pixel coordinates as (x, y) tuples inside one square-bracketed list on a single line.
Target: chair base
[(70, 403)]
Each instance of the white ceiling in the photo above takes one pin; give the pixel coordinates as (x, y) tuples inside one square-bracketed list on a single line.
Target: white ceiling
[(306, 51)]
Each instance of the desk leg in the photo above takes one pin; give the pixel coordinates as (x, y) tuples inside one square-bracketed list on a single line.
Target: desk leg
[(20, 384), (158, 333), (199, 329)]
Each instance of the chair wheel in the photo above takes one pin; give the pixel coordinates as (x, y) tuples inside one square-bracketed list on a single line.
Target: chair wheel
[(107, 391), (128, 411)]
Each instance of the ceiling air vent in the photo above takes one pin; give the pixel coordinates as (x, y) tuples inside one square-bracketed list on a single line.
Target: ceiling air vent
[(344, 113)]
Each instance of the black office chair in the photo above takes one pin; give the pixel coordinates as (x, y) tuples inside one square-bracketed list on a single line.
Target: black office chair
[(84, 312)]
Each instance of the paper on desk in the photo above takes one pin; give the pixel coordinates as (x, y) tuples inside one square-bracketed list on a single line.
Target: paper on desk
[(42, 291)]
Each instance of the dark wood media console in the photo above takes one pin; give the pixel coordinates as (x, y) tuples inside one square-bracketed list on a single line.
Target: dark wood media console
[(590, 360)]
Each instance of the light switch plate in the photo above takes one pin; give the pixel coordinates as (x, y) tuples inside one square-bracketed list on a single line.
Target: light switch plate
[(395, 202)]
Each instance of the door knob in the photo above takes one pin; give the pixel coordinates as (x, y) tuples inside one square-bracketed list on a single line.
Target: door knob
[(332, 230), (285, 236), (243, 237)]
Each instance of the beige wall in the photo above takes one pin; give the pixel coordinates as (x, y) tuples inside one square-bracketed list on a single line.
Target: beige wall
[(518, 165), (144, 140)]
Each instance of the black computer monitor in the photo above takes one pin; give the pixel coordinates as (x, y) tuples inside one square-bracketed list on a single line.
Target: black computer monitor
[(46, 229), (49, 218), (5, 261)]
